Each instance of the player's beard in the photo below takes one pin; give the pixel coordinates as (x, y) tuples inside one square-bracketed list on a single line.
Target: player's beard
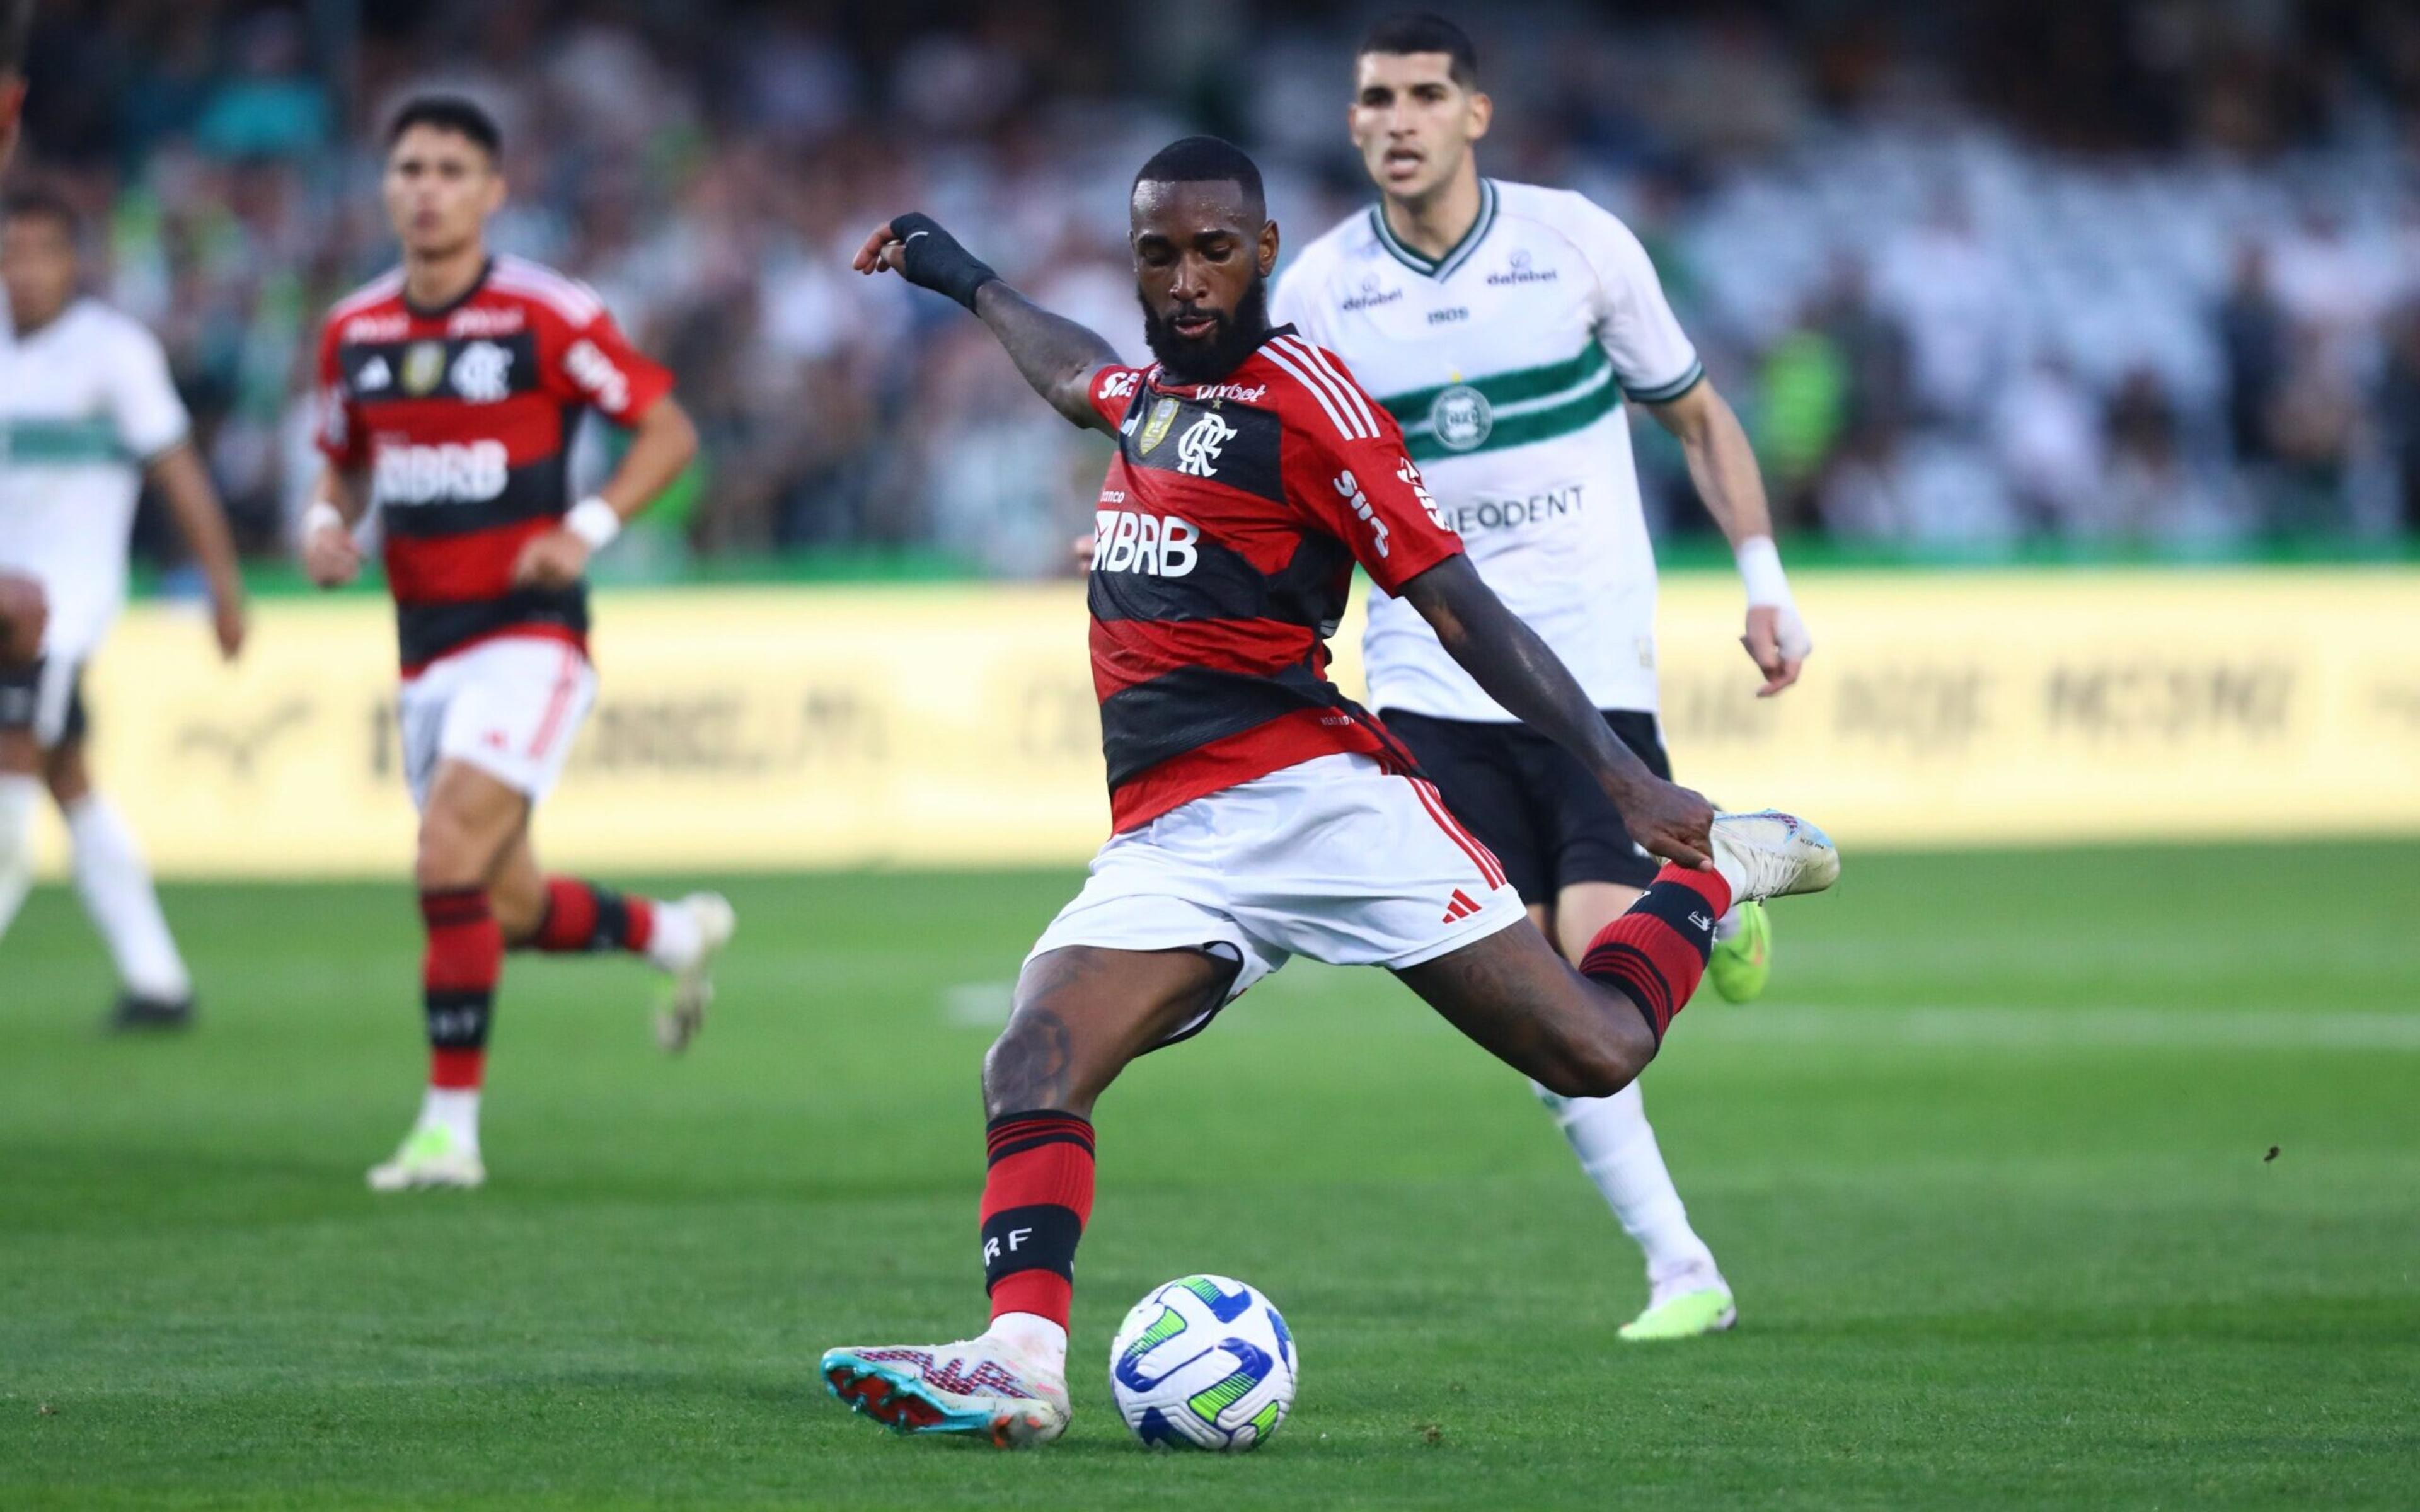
[(1231, 338)]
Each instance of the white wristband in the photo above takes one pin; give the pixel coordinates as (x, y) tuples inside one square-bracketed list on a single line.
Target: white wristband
[(322, 515), (594, 521), (1760, 566)]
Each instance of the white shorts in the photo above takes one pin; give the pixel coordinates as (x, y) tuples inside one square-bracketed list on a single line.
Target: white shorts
[(510, 707), (1335, 858)]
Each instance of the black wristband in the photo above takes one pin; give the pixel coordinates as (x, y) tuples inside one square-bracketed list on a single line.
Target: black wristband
[(932, 259)]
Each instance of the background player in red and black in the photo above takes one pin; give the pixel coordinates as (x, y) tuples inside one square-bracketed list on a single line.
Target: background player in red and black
[(1258, 814), (449, 391)]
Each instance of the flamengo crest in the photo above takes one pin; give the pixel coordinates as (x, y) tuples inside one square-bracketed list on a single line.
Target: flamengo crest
[(1197, 449)]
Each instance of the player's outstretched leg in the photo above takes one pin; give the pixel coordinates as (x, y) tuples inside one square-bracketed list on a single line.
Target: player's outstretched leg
[(680, 936), (1081, 1014), (1590, 1033)]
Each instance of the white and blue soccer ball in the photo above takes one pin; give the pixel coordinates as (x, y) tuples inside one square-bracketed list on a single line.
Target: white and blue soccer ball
[(1203, 1362)]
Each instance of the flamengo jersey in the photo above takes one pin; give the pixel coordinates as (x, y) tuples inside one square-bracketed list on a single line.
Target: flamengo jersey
[(462, 417), (1224, 545), (85, 405), (1505, 364)]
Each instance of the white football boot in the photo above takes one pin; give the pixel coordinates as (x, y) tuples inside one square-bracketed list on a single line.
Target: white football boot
[(1772, 855), (679, 1021), (431, 1155), (982, 1387)]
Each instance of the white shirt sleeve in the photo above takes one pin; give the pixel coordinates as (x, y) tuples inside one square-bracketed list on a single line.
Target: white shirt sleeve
[(1295, 300), (142, 397), (1651, 354)]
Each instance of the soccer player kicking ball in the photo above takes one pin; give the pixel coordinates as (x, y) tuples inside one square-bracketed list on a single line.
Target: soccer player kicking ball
[(1501, 325), (1259, 814), (449, 391), (90, 413)]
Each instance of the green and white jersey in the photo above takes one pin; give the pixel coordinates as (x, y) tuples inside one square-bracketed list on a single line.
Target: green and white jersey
[(85, 403), (1506, 363)]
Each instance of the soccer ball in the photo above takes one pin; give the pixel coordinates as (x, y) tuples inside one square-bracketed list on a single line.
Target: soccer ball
[(1203, 1362)]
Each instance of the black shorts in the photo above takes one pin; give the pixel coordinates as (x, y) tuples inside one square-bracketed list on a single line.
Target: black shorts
[(1532, 801), (21, 698)]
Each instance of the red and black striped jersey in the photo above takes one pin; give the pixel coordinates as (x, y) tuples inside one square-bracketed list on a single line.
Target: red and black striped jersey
[(1225, 539), (463, 418)]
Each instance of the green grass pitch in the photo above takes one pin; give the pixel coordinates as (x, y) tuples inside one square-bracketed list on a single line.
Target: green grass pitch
[(1989, 1173)]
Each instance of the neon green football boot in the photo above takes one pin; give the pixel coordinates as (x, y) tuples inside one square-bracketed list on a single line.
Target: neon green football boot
[(1688, 1316), (1742, 961), (431, 1156)]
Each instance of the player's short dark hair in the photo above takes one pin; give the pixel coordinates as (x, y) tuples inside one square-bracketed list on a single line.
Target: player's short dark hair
[(1207, 159), (16, 26), (448, 112), (1425, 31), (43, 203)]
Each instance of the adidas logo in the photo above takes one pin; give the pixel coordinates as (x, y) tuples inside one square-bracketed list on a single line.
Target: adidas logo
[(1460, 907)]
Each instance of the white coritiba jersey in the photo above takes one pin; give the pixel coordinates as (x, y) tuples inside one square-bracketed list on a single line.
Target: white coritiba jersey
[(1506, 363), (85, 404)]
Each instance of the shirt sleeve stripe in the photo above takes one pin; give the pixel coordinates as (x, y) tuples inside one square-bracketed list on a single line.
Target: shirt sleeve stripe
[(1352, 391), (1287, 363), (1347, 426), (1664, 392), (1358, 423)]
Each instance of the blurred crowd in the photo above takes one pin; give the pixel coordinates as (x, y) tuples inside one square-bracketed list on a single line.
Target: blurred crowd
[(2140, 273)]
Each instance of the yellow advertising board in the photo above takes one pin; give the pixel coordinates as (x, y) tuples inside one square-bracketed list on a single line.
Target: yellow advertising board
[(955, 724)]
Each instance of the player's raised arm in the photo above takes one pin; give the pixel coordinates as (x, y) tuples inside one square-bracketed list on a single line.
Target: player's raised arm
[(1056, 355), (1520, 671)]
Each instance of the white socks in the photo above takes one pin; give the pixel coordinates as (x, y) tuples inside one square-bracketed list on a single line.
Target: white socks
[(455, 1110), (676, 940), (1618, 1149), (19, 794), (1036, 1337), (116, 887)]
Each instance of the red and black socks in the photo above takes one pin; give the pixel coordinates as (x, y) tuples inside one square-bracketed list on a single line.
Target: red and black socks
[(1037, 1196), (466, 955), (1655, 953), (585, 918)]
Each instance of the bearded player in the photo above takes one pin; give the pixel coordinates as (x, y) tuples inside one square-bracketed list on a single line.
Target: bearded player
[(91, 415), (1258, 813), (450, 389), (1503, 324)]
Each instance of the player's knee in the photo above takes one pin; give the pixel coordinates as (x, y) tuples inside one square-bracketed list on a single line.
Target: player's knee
[(447, 855), (518, 912), (1598, 1064), (1029, 1068)]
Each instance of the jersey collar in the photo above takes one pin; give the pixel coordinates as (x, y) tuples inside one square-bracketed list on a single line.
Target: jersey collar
[(1439, 267), (457, 302), (1160, 383)]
